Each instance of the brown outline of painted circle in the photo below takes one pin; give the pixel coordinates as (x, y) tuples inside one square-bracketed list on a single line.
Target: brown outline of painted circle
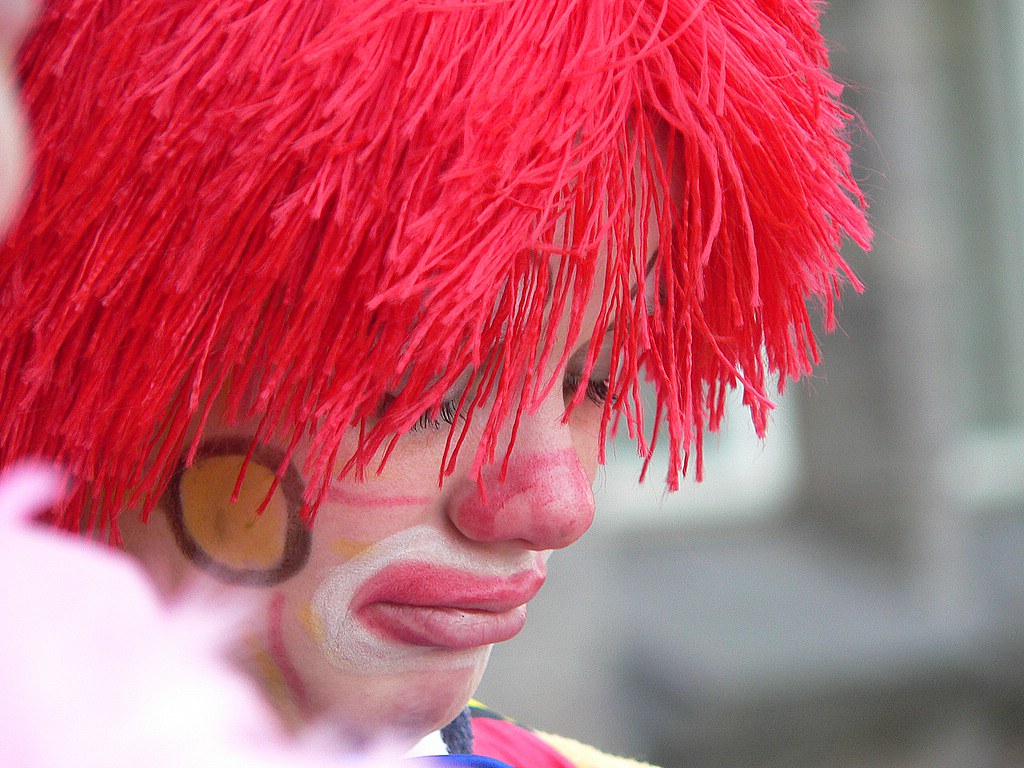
[(298, 537)]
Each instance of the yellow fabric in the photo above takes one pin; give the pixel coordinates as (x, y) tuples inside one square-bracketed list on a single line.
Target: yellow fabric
[(586, 756), (579, 754)]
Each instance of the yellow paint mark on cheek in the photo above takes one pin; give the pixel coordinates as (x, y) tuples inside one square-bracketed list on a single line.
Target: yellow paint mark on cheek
[(273, 681), (349, 548), (269, 674), (231, 532), (312, 624)]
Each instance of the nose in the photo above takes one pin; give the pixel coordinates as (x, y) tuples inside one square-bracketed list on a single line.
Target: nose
[(545, 499)]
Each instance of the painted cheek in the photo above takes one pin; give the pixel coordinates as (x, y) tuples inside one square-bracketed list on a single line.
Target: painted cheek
[(365, 515), (312, 624), (274, 665), (346, 549), (367, 499)]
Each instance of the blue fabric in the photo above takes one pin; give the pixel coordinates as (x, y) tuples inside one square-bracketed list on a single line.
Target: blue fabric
[(459, 761)]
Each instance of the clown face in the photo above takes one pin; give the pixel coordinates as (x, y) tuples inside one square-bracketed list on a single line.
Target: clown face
[(380, 618)]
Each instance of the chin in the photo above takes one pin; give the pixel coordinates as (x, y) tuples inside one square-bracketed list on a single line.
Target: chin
[(402, 709)]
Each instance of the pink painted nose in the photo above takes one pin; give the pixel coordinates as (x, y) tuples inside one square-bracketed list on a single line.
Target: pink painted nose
[(545, 501), (546, 498)]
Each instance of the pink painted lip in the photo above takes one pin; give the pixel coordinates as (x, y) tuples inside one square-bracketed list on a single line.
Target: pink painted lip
[(422, 604)]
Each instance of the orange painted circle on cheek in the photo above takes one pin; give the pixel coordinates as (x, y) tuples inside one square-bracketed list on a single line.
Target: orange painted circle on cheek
[(231, 532), (235, 539)]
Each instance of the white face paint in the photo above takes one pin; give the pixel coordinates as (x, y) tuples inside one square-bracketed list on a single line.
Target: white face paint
[(349, 642)]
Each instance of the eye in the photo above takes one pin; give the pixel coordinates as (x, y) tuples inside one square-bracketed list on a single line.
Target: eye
[(597, 388), (446, 413)]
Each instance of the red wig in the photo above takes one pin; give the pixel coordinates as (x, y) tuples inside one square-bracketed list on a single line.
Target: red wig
[(312, 206)]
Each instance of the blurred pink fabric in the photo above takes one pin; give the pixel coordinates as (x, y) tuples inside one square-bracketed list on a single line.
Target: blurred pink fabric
[(95, 670)]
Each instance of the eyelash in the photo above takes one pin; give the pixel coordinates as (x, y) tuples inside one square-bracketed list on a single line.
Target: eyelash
[(447, 413), (597, 389)]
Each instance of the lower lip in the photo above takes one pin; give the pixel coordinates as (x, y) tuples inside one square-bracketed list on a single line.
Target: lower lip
[(442, 627)]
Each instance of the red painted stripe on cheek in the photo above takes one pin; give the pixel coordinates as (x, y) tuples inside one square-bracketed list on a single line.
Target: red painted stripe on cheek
[(338, 495), (279, 653)]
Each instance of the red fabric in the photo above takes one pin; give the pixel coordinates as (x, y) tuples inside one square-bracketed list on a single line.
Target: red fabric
[(319, 207), (514, 745)]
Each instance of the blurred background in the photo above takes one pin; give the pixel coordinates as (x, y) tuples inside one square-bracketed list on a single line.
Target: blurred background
[(851, 592)]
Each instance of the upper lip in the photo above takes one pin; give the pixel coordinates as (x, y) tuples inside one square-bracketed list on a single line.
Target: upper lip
[(431, 586)]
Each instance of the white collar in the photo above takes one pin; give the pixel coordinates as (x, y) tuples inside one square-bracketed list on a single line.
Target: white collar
[(431, 744)]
